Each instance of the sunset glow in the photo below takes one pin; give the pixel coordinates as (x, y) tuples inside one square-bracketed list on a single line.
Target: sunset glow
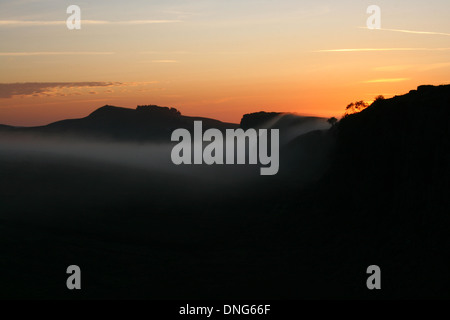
[(214, 58)]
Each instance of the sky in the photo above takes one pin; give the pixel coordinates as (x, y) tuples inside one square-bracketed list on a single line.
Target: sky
[(213, 58)]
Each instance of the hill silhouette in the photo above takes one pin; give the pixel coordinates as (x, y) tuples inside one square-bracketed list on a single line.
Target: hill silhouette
[(5, 127), (145, 123), (155, 123)]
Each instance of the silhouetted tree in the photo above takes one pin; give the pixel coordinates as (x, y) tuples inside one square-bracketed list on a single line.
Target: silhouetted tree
[(332, 121), (355, 107), (378, 98)]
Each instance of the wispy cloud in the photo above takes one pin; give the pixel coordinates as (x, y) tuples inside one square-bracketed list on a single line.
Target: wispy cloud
[(416, 67), (165, 52), (51, 89), (382, 49), (165, 61), (8, 90), (386, 80), (413, 32), (200, 52), (53, 53), (132, 22), (138, 83), (25, 23)]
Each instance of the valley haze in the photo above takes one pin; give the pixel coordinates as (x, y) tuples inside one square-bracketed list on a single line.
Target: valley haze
[(102, 192)]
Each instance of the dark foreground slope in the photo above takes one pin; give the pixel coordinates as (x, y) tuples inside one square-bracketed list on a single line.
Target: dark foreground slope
[(387, 191), (204, 233)]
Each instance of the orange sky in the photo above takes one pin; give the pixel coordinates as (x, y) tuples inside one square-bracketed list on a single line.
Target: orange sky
[(214, 59)]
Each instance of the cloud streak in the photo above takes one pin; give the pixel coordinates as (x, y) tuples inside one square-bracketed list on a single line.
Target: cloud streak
[(412, 31), (417, 67), (382, 49), (165, 61), (52, 53), (386, 80), (36, 23), (8, 90)]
